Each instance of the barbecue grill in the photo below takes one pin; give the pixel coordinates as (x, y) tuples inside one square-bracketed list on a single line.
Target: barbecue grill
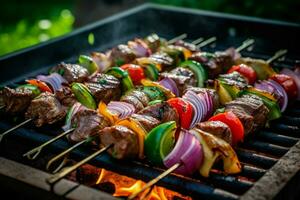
[(270, 158)]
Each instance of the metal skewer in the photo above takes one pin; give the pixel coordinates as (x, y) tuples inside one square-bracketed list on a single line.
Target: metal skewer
[(277, 55), (206, 42), (247, 43), (32, 154), (14, 128), (180, 37), (56, 177), (154, 181)]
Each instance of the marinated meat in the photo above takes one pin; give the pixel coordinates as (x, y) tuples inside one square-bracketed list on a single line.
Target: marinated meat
[(104, 87), (212, 93), (122, 54), (183, 78), (254, 107), (138, 105), (72, 72), (87, 122), (124, 140), (153, 42), (45, 109), (147, 122), (162, 58), (141, 96), (216, 128), (235, 79), (16, 100), (66, 96), (186, 45), (161, 111)]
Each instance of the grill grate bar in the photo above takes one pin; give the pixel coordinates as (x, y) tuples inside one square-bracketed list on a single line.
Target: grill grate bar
[(252, 172), (289, 120), (284, 129), (278, 139), (264, 147), (256, 159)]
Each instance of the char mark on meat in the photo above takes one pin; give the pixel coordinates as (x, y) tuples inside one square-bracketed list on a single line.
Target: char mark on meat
[(161, 111), (124, 140), (16, 100), (87, 123), (45, 109), (104, 87), (147, 122), (136, 98), (122, 54), (72, 72), (66, 96), (216, 128)]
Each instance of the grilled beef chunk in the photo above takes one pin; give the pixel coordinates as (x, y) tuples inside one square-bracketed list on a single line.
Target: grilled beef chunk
[(163, 59), (212, 93), (124, 140), (141, 96), (183, 78), (251, 110), (72, 72), (186, 45), (216, 63), (147, 122), (134, 99), (216, 128), (161, 111), (122, 54), (16, 100), (235, 79), (65, 96), (87, 122), (45, 109), (153, 42), (104, 87)]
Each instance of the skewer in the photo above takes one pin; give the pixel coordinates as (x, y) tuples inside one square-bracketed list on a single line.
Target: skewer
[(32, 154), (180, 37), (14, 128), (206, 42), (277, 55), (154, 181), (247, 43), (65, 152), (56, 177), (197, 41)]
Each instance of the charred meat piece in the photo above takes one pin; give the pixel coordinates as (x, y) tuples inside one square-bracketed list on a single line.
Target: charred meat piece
[(147, 122), (161, 111), (162, 58), (235, 79), (124, 140), (72, 72), (183, 78), (253, 106), (104, 87), (87, 122), (153, 42), (66, 96), (45, 109), (16, 100), (122, 54), (186, 45), (133, 100), (141, 96), (212, 93), (216, 128)]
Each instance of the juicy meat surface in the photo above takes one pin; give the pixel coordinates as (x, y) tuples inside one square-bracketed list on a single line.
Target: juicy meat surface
[(104, 87), (147, 122), (183, 78), (65, 96), (72, 72), (133, 100), (161, 111), (162, 58), (186, 45), (153, 42), (141, 96), (87, 122), (45, 109), (124, 140), (16, 100), (122, 54), (216, 128)]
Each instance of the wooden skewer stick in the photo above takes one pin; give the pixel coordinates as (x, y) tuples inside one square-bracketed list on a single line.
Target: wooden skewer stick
[(197, 41), (247, 43), (14, 128), (64, 153), (154, 181), (206, 42), (180, 37), (32, 154), (56, 177), (277, 55)]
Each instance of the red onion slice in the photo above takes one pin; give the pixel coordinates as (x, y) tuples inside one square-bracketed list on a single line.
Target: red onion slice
[(122, 109), (55, 80), (170, 84)]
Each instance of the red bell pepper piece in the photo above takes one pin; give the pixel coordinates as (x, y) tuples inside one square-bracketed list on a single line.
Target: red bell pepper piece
[(184, 109), (135, 72)]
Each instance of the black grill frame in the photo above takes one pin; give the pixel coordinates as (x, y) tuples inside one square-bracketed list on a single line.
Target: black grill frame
[(273, 171)]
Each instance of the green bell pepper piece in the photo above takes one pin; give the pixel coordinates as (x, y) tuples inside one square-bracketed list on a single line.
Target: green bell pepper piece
[(123, 76), (153, 93), (199, 71), (151, 72), (35, 90), (83, 95), (159, 142), (88, 63)]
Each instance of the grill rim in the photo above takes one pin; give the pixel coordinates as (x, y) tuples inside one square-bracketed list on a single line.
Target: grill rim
[(291, 159)]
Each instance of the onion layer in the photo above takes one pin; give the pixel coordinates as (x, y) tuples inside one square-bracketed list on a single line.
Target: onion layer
[(72, 111), (170, 84), (122, 109), (55, 80)]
